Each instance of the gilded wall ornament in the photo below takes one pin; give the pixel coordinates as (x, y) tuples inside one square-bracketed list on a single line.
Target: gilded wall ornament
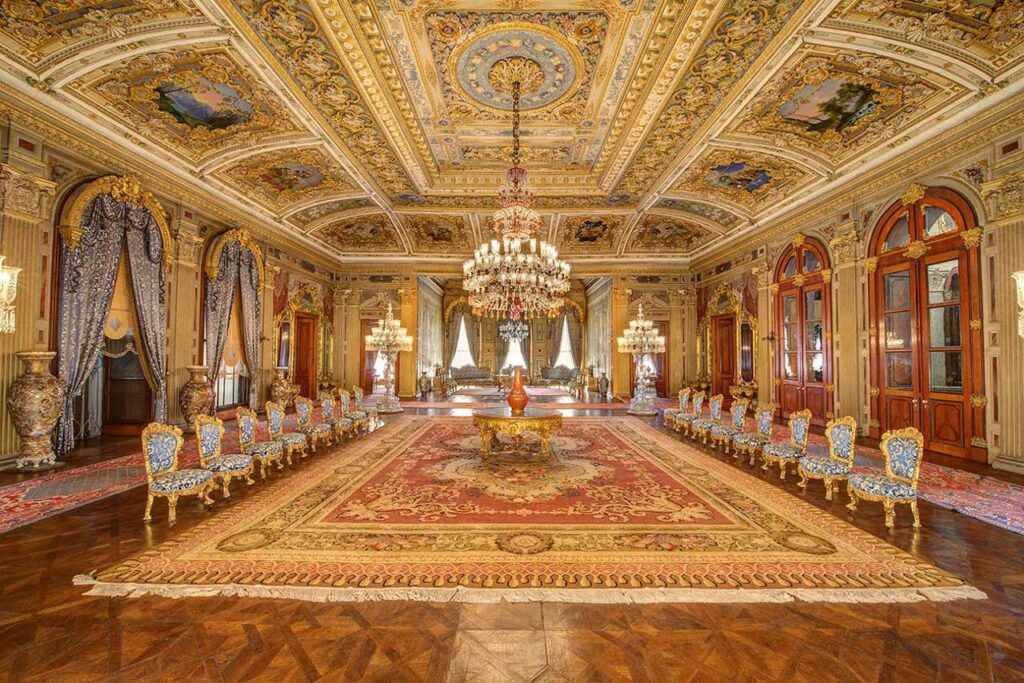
[(917, 249), (972, 237), (844, 248), (23, 195), (914, 192), (870, 264), (1006, 195)]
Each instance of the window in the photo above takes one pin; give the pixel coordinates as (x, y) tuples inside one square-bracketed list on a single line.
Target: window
[(463, 356), (514, 357), (565, 350), (379, 365), (232, 385)]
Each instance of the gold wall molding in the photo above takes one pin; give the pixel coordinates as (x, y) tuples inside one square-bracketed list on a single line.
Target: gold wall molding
[(22, 194), (225, 238), (1006, 195)]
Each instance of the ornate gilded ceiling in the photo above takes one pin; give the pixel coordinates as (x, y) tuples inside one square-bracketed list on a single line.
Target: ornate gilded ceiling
[(651, 128)]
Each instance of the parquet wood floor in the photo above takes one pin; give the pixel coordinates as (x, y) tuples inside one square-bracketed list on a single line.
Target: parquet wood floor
[(49, 631)]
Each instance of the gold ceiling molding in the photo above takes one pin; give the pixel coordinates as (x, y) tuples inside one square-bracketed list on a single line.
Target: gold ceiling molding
[(222, 240), (124, 190)]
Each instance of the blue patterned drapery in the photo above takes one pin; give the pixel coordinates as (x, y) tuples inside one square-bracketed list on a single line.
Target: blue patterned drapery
[(237, 267), (87, 277)]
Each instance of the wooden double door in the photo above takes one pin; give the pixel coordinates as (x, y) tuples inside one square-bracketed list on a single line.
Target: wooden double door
[(723, 368), (305, 336)]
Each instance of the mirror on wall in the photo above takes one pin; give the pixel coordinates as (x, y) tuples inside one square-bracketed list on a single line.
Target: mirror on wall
[(746, 355), (727, 346), (284, 338)]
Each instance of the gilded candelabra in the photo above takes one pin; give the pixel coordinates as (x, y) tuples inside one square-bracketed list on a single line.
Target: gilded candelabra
[(641, 340), (389, 338)]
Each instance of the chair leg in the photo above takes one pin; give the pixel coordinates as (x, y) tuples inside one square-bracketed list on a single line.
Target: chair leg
[(172, 510), (803, 479), (828, 489), (782, 470), (852, 505), (225, 479), (917, 517), (149, 509), (890, 513), (205, 495), (248, 475), (753, 457)]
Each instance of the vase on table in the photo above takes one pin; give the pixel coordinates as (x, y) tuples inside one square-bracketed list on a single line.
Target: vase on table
[(517, 398), (34, 401), (196, 397)]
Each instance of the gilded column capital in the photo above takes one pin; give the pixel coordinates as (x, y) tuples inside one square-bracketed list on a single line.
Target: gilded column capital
[(1005, 195), (23, 194), (844, 249), (272, 273), (687, 296), (763, 274)]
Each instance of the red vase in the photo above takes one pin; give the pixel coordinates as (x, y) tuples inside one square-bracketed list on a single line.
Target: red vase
[(517, 398)]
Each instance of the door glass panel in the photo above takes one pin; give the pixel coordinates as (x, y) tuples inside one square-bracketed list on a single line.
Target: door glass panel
[(812, 303), (897, 290), (899, 372), (812, 338), (946, 371), (790, 269), (944, 282), (811, 262), (789, 338), (897, 330), (937, 222), (789, 361), (815, 367), (789, 309), (944, 326), (899, 234)]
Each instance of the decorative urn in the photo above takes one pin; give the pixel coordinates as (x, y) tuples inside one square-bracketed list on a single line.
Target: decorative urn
[(517, 398), (196, 397), (281, 388), (603, 385), (34, 401), (426, 384)]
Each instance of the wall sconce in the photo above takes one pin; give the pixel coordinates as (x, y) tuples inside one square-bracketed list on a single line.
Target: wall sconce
[(1018, 278), (8, 290)]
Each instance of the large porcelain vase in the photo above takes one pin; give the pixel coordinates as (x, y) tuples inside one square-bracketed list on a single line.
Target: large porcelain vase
[(517, 398), (281, 388), (34, 401), (196, 397)]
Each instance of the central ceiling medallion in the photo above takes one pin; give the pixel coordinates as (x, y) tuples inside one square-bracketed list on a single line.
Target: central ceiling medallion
[(547, 67)]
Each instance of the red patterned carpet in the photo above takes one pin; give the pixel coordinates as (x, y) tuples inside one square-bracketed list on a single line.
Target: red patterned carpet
[(623, 513)]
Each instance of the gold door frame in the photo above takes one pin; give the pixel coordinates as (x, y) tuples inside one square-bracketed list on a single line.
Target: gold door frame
[(306, 299)]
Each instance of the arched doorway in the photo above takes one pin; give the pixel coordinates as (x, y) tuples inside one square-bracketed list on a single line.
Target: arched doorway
[(803, 313), (924, 289)]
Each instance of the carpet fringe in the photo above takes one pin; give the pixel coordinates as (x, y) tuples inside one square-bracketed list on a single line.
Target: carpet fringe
[(562, 595)]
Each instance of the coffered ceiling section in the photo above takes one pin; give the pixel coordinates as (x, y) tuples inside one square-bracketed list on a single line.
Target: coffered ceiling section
[(651, 128)]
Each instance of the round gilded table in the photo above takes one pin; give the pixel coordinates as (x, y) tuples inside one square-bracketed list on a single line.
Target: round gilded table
[(494, 421)]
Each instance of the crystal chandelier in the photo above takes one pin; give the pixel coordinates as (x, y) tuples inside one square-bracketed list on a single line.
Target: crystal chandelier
[(641, 340), (516, 276), (513, 331), (389, 338)]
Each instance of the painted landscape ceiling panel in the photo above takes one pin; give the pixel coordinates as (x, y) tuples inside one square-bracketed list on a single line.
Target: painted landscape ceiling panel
[(332, 115)]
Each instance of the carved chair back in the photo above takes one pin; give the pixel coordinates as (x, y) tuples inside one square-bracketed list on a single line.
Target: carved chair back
[(161, 444), (344, 400), (247, 423), (764, 419), (327, 408), (715, 406), (698, 403), (275, 419), (841, 434), (357, 393), (684, 399), (303, 410), (209, 431), (738, 412), (799, 426), (904, 451)]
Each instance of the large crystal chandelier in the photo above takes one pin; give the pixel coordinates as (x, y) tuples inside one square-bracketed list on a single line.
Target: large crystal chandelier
[(388, 337), (513, 331), (641, 340), (516, 276)]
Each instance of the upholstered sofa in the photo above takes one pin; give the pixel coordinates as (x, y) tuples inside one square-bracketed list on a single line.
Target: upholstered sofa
[(471, 376), (558, 376)]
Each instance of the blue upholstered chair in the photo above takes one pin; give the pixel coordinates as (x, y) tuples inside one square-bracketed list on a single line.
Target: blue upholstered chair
[(340, 426), (209, 432), (684, 420), (358, 417), (669, 414), (264, 452), (291, 442), (783, 453), (316, 432), (160, 445), (701, 427), (373, 418), (903, 450), (722, 434), (751, 442), (838, 464)]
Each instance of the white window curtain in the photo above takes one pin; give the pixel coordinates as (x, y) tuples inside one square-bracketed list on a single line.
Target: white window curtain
[(463, 353), (565, 354), (514, 357)]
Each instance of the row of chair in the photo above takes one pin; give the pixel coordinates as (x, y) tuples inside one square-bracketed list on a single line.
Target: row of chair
[(161, 445), (902, 449)]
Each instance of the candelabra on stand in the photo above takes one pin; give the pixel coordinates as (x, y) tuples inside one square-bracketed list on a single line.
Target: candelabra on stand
[(641, 340), (389, 338)]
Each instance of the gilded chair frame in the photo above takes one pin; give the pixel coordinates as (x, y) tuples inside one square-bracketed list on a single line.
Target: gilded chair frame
[(289, 449), (751, 449), (245, 445), (313, 437), (201, 490), (358, 423), (832, 481), (685, 422), (889, 502), (703, 430), (769, 459), (684, 401), (338, 430), (724, 439), (224, 477), (373, 418)]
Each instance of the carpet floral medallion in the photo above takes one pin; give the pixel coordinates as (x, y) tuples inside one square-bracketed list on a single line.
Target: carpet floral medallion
[(621, 513)]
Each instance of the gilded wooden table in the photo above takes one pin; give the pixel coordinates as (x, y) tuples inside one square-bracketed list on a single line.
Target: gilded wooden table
[(494, 421)]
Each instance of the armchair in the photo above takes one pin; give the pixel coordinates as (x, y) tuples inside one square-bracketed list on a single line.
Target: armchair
[(702, 426), (764, 423), (209, 433), (723, 433), (903, 450), (263, 452), (782, 453), (685, 420), (316, 433), (291, 442)]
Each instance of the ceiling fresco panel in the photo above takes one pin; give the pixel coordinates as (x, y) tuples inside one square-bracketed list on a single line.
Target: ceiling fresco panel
[(753, 180), (439, 234), (654, 234), (587, 234), (372, 233)]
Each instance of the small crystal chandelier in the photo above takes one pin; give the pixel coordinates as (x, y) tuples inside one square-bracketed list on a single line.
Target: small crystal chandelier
[(641, 340), (513, 331), (8, 291), (389, 337), (516, 276)]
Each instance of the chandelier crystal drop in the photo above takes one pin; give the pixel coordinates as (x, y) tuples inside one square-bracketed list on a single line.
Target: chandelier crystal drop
[(517, 276), (513, 331)]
